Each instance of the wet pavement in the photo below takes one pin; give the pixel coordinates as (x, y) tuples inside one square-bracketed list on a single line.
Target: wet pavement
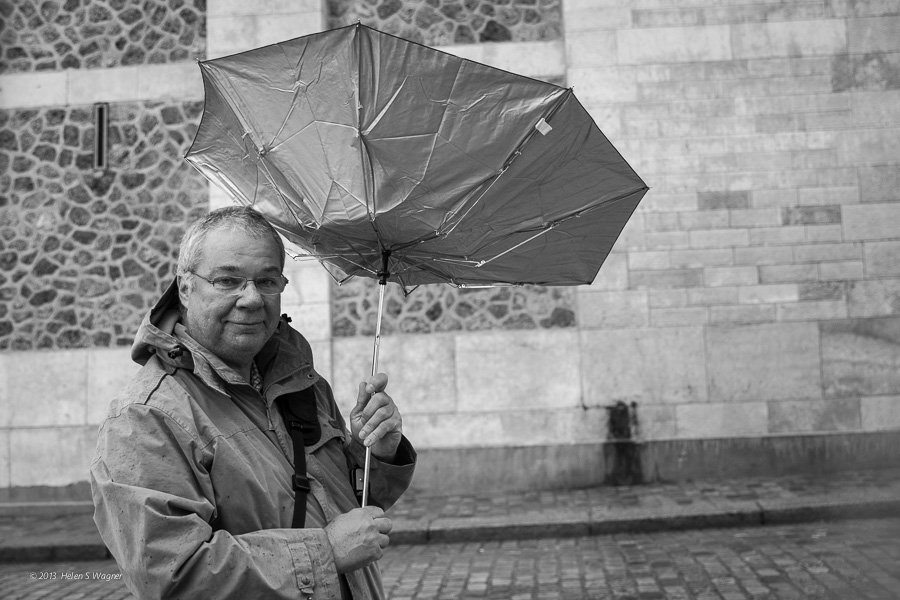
[(63, 532), (813, 536), (836, 560)]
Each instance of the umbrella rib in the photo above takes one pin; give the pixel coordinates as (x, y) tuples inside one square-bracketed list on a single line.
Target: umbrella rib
[(293, 135), (556, 223), (464, 260), (296, 91), (365, 157), (412, 266), (238, 141), (384, 110), (234, 100), (265, 169), (293, 105), (348, 257), (509, 160)]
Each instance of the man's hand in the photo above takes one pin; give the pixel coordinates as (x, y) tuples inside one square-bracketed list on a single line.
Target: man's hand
[(358, 537), (375, 420)]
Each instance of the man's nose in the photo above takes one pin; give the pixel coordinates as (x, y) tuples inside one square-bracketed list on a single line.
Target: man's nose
[(249, 295)]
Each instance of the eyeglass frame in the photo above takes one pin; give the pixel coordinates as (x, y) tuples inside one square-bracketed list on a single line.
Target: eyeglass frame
[(243, 286)]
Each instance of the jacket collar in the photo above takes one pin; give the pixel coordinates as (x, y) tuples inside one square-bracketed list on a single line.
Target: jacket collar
[(287, 353)]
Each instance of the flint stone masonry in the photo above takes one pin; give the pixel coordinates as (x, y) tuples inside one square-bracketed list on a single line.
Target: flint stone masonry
[(90, 34), (441, 307), (448, 22), (84, 253)]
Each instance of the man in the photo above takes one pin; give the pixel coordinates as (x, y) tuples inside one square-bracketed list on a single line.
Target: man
[(192, 481)]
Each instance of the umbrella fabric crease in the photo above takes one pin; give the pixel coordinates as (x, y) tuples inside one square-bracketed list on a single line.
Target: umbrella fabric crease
[(357, 144)]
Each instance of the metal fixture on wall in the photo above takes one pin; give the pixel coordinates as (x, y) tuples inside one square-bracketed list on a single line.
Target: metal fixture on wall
[(101, 135)]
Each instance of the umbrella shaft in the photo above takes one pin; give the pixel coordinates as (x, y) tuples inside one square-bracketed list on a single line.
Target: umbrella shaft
[(381, 286)]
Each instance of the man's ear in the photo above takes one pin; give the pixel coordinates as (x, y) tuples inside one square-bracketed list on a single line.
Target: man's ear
[(184, 290)]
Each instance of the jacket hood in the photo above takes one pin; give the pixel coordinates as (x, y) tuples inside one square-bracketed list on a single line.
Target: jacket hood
[(156, 334), (162, 334)]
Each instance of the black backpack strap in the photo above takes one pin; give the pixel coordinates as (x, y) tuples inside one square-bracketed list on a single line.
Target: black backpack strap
[(301, 417)]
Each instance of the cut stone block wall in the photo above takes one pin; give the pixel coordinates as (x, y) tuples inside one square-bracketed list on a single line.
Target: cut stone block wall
[(767, 133)]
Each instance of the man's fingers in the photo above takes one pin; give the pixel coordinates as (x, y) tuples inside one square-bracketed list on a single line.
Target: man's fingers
[(384, 525), (384, 418), (362, 396), (370, 387), (376, 383), (374, 512), (379, 431), (378, 408), (376, 403)]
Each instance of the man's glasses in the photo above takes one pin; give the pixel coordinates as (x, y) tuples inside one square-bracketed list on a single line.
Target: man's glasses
[(234, 285)]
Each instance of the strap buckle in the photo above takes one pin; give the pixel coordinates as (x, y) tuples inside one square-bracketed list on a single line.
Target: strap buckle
[(301, 483), (303, 426)]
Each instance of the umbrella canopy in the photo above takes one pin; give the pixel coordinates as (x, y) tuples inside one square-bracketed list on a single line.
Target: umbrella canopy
[(388, 159)]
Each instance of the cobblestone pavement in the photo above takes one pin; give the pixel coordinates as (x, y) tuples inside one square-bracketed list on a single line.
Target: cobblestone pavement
[(846, 560)]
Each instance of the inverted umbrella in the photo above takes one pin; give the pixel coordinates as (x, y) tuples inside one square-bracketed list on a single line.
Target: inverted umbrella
[(387, 159)]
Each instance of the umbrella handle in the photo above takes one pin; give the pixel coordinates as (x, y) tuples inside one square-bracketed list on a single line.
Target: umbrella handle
[(381, 285)]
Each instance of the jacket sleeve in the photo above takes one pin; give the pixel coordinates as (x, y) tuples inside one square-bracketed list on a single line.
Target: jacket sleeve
[(387, 481), (154, 506)]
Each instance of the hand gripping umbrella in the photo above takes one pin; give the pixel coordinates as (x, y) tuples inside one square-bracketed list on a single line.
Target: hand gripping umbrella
[(387, 159)]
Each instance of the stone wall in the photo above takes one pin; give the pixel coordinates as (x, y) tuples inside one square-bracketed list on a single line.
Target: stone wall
[(756, 292), (437, 308), (88, 34), (85, 252), (446, 22), (751, 307)]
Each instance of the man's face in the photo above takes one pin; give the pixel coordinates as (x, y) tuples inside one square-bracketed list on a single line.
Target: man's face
[(234, 328)]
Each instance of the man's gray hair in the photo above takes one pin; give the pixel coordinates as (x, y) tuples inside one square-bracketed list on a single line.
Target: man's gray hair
[(240, 218)]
